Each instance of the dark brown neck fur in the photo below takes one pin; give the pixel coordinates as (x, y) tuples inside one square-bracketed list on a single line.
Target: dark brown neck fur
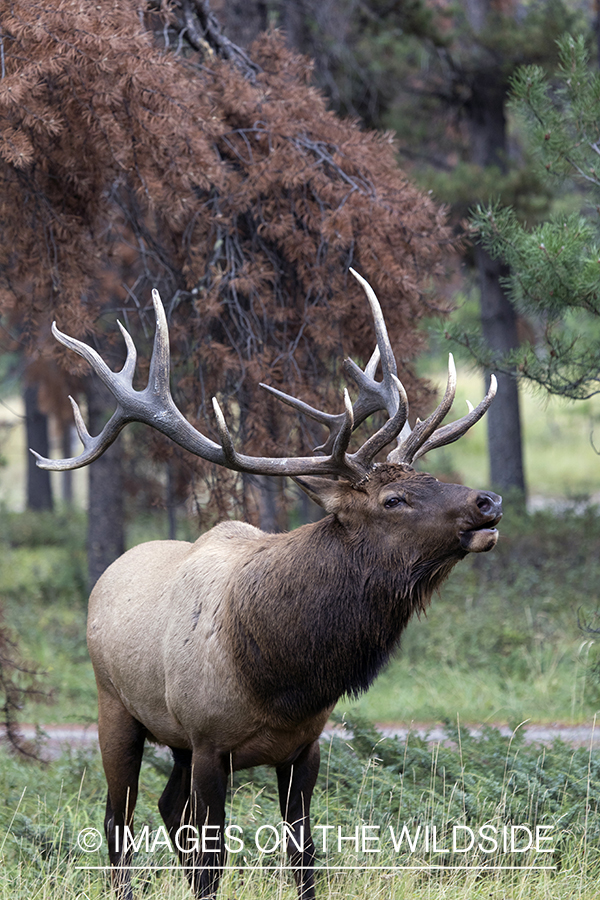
[(318, 612)]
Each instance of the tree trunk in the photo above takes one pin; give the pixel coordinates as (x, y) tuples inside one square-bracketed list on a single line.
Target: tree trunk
[(39, 489), (487, 123), (597, 30), (67, 476), (106, 535), (271, 509), (241, 20), (293, 22), (499, 326)]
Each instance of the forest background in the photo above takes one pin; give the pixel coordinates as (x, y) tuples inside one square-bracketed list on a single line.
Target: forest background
[(438, 76), (513, 636)]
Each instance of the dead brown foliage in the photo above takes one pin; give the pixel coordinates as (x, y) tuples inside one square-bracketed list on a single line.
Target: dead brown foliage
[(237, 194)]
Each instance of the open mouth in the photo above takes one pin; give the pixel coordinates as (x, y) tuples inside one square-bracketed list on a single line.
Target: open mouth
[(482, 538)]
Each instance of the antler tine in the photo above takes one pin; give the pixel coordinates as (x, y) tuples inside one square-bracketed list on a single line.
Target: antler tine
[(338, 452), (224, 434), (454, 430), (318, 415), (384, 347), (371, 366), (96, 361), (160, 362), (154, 405), (128, 369), (93, 446), (373, 395), (387, 432), (407, 450)]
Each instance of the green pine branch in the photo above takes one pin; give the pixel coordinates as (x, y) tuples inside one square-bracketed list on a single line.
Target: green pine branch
[(554, 266)]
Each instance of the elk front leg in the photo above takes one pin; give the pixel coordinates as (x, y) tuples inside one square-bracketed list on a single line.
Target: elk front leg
[(121, 739), (193, 808), (296, 782)]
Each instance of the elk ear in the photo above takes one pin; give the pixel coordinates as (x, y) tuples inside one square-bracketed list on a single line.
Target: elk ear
[(324, 491)]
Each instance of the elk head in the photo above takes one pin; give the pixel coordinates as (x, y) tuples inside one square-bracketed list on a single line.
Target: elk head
[(396, 504)]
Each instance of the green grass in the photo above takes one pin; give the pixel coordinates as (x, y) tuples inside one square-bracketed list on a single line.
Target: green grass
[(43, 600), (367, 782)]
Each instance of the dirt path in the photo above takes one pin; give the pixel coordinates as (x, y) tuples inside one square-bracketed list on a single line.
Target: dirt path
[(56, 737), (577, 735)]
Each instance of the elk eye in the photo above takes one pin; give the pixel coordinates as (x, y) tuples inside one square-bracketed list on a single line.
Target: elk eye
[(391, 502)]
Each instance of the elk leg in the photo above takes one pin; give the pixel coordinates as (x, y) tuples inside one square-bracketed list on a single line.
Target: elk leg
[(175, 799), (121, 739), (193, 808), (296, 782)]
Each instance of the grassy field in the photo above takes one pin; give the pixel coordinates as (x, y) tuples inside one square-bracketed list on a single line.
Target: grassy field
[(369, 786)]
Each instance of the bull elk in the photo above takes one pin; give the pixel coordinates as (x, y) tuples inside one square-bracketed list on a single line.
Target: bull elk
[(232, 651)]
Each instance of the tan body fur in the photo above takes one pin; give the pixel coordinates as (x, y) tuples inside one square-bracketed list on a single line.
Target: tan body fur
[(174, 672)]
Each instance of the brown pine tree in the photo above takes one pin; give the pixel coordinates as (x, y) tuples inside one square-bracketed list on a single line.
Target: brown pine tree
[(219, 178)]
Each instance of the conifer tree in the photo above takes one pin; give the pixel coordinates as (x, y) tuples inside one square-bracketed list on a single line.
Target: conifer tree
[(555, 265), (439, 74), (148, 151)]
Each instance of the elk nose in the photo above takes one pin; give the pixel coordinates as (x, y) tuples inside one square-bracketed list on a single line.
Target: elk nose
[(489, 504)]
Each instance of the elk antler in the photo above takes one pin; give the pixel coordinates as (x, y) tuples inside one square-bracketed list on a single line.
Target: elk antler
[(155, 407), (426, 436), (376, 395), (388, 394)]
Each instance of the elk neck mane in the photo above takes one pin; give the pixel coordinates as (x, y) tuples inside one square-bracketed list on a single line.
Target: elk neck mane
[(316, 613)]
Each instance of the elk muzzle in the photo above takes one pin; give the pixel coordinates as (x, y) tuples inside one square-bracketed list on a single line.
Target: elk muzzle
[(483, 536)]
